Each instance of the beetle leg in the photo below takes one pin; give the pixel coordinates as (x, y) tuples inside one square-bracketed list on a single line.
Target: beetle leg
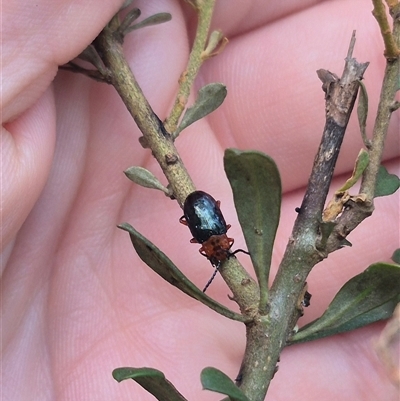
[(194, 241), (183, 221), (228, 226), (202, 252)]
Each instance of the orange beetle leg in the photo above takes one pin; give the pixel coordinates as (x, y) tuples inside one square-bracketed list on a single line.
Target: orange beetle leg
[(183, 221)]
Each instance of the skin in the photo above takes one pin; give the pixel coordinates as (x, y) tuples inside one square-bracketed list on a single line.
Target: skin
[(76, 300)]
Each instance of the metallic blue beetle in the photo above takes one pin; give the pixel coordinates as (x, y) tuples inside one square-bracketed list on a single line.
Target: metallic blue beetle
[(202, 214)]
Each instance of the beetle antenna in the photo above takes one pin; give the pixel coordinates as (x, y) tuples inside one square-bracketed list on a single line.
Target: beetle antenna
[(240, 250), (212, 277)]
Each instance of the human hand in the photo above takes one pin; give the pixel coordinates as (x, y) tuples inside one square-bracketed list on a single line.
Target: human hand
[(77, 301)]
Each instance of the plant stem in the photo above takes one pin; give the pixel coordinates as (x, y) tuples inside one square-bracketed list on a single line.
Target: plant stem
[(156, 134), (161, 143), (267, 335), (355, 212), (204, 11), (379, 12), (381, 127), (385, 108), (156, 137)]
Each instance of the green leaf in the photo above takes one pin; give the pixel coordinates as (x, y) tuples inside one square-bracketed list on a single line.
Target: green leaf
[(90, 55), (364, 299), (130, 17), (359, 167), (215, 40), (396, 256), (164, 267), (362, 112), (214, 380), (386, 184), (145, 178), (257, 192), (209, 98), (151, 380), (152, 20), (326, 228), (395, 106)]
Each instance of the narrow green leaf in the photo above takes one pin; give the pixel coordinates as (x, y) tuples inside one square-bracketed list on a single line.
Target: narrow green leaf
[(209, 98), (214, 380), (364, 299), (326, 228), (151, 380), (386, 184), (396, 106), (90, 55), (130, 17), (152, 20), (362, 112), (359, 167), (163, 266), (213, 41), (257, 192), (145, 178), (345, 242), (396, 256), (216, 44)]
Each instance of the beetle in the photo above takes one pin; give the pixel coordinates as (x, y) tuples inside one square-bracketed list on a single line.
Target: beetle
[(203, 216)]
